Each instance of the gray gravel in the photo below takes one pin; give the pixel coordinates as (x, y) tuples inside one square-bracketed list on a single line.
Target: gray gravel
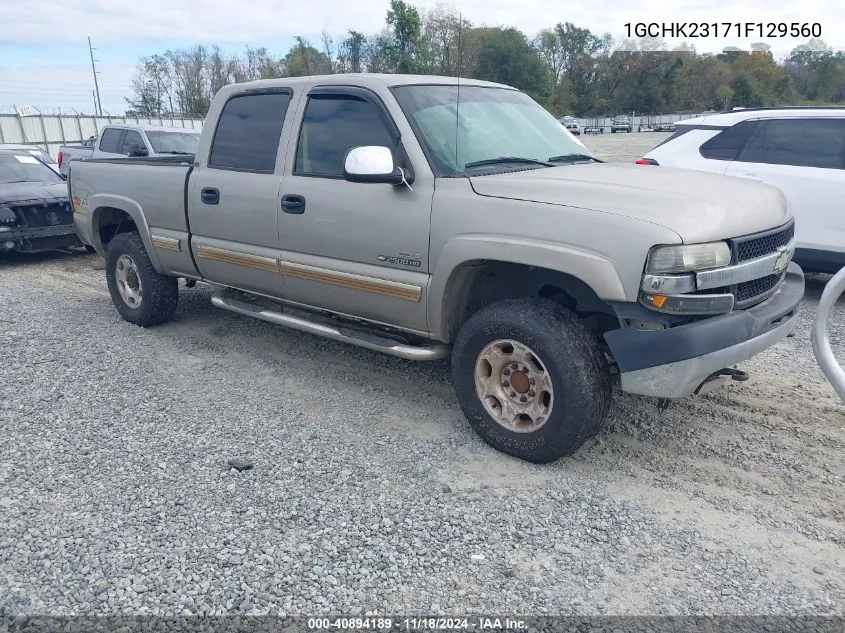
[(369, 491)]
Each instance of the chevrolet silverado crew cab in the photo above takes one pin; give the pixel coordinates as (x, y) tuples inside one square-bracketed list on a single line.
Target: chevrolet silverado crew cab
[(428, 217)]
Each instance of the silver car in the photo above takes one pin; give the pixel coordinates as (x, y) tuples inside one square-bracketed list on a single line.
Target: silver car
[(571, 124)]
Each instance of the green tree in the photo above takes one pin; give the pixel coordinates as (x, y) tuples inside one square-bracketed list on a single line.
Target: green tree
[(442, 40), (568, 69), (725, 94), (351, 53), (152, 87), (303, 59), (505, 56), (404, 51)]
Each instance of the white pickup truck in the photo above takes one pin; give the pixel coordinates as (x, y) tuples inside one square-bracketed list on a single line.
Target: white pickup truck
[(125, 139)]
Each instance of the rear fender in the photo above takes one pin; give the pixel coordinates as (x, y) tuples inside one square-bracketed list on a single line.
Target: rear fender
[(102, 202)]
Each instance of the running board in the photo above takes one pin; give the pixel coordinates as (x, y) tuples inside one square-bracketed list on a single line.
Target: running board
[(369, 340)]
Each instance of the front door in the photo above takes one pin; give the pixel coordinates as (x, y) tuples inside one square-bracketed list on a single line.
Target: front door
[(359, 249), (232, 199)]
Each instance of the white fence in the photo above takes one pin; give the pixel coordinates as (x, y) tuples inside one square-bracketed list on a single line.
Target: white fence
[(50, 131), (637, 120)]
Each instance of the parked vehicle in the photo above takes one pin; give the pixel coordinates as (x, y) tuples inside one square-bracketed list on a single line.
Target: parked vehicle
[(127, 140), (35, 214), (372, 209), (33, 150), (593, 126), (800, 150), (571, 124), (621, 124), (647, 124)]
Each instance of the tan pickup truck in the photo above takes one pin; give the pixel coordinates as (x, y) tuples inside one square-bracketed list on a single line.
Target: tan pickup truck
[(425, 217)]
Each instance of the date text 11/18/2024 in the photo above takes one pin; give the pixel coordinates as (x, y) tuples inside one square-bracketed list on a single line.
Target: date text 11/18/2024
[(382, 623)]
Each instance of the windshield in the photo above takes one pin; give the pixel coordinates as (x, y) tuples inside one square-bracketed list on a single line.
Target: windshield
[(490, 123), (25, 168), (174, 142)]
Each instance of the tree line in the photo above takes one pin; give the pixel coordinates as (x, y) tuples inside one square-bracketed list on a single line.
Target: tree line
[(568, 69)]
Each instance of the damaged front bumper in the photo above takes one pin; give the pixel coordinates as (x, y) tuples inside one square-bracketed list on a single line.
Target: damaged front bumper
[(675, 362)]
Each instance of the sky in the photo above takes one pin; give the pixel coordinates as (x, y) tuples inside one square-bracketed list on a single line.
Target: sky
[(44, 59)]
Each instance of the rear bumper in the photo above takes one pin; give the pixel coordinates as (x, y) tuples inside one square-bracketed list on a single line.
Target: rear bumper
[(674, 362)]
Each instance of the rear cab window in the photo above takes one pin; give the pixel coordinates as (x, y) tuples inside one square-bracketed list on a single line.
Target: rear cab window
[(249, 131)]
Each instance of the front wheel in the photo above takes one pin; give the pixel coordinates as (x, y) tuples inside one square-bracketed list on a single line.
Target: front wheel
[(530, 379), (141, 295)]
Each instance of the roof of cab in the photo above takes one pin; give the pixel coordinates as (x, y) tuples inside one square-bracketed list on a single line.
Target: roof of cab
[(368, 80)]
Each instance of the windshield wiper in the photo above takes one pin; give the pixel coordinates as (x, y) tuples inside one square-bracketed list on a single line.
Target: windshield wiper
[(504, 160), (180, 153), (27, 180), (573, 158)]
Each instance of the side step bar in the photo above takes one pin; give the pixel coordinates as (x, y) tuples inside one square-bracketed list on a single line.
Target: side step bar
[(369, 340)]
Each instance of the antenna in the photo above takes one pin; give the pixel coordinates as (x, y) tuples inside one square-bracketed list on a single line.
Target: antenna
[(458, 100)]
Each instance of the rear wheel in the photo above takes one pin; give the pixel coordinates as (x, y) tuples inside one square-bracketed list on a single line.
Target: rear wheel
[(141, 295), (531, 379)]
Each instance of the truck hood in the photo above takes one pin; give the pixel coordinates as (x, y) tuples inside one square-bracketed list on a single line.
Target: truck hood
[(18, 192), (698, 206)]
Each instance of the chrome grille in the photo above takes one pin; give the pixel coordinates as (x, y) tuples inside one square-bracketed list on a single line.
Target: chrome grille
[(759, 244), (753, 291)]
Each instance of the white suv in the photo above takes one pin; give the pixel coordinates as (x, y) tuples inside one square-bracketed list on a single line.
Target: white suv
[(800, 150)]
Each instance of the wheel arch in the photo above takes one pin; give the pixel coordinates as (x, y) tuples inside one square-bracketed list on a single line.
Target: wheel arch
[(117, 214), (473, 272)]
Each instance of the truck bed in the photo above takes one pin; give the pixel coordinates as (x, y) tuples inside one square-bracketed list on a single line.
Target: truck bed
[(156, 184)]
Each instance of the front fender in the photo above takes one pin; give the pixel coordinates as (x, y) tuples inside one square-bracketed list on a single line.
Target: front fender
[(101, 202), (594, 270)]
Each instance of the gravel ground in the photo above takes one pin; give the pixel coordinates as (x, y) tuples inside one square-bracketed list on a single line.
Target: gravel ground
[(369, 490)]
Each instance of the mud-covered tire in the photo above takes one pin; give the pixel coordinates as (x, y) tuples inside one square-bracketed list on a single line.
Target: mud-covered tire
[(159, 294), (570, 357)]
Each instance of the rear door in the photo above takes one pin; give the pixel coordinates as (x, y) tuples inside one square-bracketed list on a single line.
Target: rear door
[(804, 158), (233, 195)]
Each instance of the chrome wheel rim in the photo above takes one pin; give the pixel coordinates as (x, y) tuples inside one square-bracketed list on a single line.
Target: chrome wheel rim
[(128, 281), (514, 385)]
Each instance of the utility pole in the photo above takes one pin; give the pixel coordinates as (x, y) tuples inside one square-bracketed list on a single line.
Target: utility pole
[(99, 103)]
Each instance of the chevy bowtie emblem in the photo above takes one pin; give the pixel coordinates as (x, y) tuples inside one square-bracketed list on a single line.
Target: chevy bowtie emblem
[(782, 261)]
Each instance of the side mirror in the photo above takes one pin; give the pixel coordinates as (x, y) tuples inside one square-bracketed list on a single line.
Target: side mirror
[(137, 150), (372, 163)]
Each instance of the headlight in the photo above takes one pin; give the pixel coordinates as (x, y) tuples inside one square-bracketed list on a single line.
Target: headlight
[(688, 257)]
